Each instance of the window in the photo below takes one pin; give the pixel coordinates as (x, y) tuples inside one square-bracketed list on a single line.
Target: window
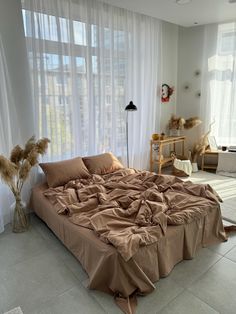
[(79, 90), (79, 29), (222, 71), (105, 57)]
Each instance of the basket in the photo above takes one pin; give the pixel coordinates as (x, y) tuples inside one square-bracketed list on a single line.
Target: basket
[(177, 172)]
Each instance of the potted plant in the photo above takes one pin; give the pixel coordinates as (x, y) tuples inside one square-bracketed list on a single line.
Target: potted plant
[(176, 125), (16, 170)]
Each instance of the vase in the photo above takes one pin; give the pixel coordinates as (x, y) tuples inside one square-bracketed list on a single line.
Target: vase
[(175, 132), (194, 167), (20, 219)]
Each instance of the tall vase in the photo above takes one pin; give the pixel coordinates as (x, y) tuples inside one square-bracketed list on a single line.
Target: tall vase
[(194, 167), (20, 220)]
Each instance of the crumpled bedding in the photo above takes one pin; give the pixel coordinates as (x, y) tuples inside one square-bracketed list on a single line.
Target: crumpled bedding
[(130, 208)]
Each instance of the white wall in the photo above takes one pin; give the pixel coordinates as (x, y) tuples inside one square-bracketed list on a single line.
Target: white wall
[(12, 35), (169, 69), (190, 59)]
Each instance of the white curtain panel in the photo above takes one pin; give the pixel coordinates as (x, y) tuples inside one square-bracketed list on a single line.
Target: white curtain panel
[(8, 131), (88, 60), (218, 101), (10, 135)]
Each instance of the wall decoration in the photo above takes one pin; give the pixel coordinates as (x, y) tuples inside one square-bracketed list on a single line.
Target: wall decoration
[(166, 92), (186, 87)]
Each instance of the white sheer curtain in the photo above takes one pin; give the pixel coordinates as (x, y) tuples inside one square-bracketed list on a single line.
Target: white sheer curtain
[(218, 101), (88, 60), (8, 131)]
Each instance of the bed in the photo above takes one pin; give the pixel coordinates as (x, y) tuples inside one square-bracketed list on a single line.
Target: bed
[(121, 268)]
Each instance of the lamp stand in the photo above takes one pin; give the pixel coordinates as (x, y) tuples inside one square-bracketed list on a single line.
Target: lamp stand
[(127, 138), (129, 107)]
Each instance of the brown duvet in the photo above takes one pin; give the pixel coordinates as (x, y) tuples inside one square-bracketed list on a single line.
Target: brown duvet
[(130, 228)]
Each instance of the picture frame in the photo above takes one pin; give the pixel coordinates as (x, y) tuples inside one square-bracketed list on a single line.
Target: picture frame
[(212, 143)]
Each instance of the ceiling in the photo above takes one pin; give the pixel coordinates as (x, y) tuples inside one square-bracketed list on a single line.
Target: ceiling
[(197, 11)]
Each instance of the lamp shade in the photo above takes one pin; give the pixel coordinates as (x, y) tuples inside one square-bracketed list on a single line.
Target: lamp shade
[(131, 107)]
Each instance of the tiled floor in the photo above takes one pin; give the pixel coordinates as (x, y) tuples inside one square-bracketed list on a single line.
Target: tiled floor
[(38, 274)]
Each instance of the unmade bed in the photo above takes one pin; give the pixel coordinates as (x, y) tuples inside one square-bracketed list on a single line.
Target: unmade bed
[(130, 269)]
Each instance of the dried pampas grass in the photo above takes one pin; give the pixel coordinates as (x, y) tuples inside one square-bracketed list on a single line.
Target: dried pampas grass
[(29, 146), (8, 170), (178, 123), (33, 157), (42, 145), (198, 150), (200, 147), (15, 171), (17, 154), (192, 122), (25, 170)]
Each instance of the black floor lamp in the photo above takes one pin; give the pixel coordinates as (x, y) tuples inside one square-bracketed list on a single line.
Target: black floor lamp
[(129, 107)]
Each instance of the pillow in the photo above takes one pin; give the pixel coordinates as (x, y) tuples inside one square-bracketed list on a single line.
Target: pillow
[(59, 173), (102, 164)]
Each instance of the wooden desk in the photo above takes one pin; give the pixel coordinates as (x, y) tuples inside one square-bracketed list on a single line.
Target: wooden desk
[(172, 140), (209, 153)]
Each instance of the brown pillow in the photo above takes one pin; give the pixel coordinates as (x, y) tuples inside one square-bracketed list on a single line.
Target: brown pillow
[(102, 164), (59, 173)]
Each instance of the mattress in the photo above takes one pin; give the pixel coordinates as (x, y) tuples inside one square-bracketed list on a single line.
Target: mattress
[(107, 270)]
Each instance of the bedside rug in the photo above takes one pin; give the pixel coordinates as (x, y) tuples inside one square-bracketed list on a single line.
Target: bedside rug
[(16, 310)]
